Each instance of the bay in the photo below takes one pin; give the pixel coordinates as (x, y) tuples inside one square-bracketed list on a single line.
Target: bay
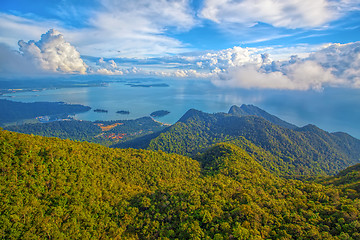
[(332, 109)]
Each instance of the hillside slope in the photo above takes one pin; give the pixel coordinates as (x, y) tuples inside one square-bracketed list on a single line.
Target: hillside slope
[(52, 188), (348, 180), (102, 132), (302, 151), (59, 189)]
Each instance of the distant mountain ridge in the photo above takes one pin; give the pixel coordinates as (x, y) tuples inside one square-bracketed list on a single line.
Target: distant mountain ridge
[(299, 151)]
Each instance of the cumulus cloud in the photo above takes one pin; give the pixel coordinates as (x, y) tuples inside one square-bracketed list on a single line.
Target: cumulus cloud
[(342, 59), (288, 14), (53, 54), (298, 76), (109, 28), (334, 65), (108, 67)]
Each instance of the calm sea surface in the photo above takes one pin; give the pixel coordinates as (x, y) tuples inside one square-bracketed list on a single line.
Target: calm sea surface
[(331, 109)]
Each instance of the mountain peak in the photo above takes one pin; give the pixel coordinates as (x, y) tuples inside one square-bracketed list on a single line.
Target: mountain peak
[(251, 110), (245, 110), (310, 128), (191, 113)]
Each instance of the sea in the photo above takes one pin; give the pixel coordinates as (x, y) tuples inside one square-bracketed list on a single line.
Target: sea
[(332, 109)]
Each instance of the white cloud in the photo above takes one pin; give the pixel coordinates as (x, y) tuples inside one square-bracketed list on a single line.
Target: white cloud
[(104, 71), (299, 76), (52, 53), (107, 67), (134, 28), (114, 28), (342, 59), (334, 65), (288, 14)]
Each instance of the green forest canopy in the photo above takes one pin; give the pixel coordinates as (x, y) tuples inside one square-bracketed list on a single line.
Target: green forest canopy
[(60, 189)]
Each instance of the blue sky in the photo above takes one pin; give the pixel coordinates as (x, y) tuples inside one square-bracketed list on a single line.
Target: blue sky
[(245, 43), (332, 21)]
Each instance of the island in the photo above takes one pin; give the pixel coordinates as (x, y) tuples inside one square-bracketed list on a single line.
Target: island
[(159, 113), (148, 85), (125, 112), (100, 110)]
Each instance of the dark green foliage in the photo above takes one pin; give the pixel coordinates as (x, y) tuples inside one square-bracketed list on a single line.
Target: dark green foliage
[(16, 111), (125, 112), (73, 130), (89, 131), (159, 113), (303, 151), (100, 110)]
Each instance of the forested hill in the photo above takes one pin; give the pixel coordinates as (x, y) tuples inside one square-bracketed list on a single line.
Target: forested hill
[(103, 132), (59, 189), (348, 180), (301, 151)]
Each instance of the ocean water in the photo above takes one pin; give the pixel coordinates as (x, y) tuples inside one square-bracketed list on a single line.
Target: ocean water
[(332, 109)]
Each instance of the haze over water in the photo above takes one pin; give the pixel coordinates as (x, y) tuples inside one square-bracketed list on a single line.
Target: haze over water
[(330, 109)]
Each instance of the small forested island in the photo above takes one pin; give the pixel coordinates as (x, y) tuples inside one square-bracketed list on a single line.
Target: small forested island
[(100, 110), (125, 112), (159, 113), (148, 85)]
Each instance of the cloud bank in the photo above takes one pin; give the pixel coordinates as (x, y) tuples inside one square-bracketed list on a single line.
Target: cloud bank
[(288, 14), (335, 65), (53, 54)]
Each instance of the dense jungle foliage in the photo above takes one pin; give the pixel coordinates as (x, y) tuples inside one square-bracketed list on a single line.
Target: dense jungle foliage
[(59, 189), (91, 131), (301, 151)]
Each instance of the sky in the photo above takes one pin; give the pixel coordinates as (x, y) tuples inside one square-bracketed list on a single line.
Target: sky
[(262, 44)]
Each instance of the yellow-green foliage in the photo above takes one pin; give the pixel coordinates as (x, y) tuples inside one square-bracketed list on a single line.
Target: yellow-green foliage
[(348, 180), (59, 189), (53, 188)]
